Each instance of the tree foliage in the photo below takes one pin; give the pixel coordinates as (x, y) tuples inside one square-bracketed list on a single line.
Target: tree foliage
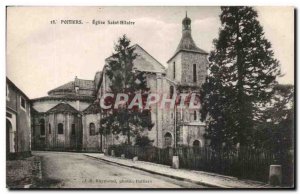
[(123, 78), (242, 73), (275, 130), (143, 141)]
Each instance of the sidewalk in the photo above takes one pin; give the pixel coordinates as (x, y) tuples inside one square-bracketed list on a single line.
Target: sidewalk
[(198, 177)]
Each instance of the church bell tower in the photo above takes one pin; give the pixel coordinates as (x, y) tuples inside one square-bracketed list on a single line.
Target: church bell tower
[(189, 63)]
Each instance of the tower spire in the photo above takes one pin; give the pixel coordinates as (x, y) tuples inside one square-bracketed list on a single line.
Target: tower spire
[(187, 43), (186, 23)]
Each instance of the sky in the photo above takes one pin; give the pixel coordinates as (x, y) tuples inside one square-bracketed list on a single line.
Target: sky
[(41, 56)]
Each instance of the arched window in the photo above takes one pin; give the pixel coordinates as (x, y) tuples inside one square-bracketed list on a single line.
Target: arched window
[(174, 70), (73, 129), (168, 139), (42, 127), (49, 128), (60, 128), (171, 91), (197, 143), (194, 73), (92, 129)]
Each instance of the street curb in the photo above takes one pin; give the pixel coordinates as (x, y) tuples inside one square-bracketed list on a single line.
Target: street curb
[(166, 175)]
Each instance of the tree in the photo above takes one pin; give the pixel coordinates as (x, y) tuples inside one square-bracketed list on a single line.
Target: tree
[(125, 79), (242, 73), (275, 130), (143, 141)]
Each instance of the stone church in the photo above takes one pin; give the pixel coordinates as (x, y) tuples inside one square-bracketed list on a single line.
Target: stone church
[(69, 117)]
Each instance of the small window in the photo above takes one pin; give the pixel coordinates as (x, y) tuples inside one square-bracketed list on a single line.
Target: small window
[(73, 129), (60, 129), (23, 103), (195, 115), (194, 73), (92, 129), (171, 91), (196, 143), (42, 127), (174, 70), (49, 128)]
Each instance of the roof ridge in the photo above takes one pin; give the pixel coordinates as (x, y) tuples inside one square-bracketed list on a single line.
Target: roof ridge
[(85, 79), (60, 104), (90, 109), (60, 87)]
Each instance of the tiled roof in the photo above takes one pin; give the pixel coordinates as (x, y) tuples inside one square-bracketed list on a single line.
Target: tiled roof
[(66, 87), (65, 97), (85, 84), (187, 44), (62, 107), (92, 109), (70, 86)]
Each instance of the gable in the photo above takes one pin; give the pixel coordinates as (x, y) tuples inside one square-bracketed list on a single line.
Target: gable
[(145, 62)]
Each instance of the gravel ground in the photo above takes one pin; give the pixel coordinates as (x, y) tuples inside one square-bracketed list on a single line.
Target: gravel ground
[(21, 173)]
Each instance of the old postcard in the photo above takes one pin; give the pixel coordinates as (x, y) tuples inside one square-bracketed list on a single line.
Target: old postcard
[(149, 97)]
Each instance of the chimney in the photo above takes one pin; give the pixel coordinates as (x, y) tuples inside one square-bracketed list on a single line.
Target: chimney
[(76, 85)]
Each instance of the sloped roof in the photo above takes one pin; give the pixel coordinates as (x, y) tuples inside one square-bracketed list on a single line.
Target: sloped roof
[(85, 84), (92, 109), (63, 107), (33, 111), (145, 62), (65, 97), (66, 87), (187, 43), (8, 81), (70, 86)]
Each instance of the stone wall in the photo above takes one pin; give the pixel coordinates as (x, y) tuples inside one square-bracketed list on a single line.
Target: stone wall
[(52, 140), (188, 59), (91, 142), (178, 68), (20, 119), (190, 133)]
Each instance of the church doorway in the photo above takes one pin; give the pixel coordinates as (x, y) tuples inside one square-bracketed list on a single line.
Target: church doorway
[(168, 139), (10, 138)]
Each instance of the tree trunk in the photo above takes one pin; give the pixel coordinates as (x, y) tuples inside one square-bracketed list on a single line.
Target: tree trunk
[(128, 137)]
